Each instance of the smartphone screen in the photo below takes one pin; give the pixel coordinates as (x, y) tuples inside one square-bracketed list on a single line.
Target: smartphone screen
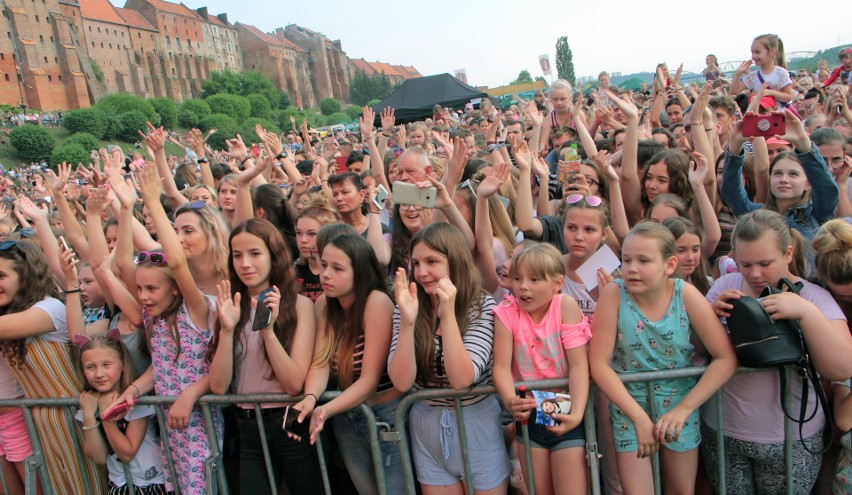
[(262, 314)]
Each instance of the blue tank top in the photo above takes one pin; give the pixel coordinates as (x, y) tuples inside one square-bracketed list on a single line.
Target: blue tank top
[(645, 345)]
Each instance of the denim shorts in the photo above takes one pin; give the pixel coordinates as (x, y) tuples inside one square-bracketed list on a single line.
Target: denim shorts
[(437, 447), (542, 438)]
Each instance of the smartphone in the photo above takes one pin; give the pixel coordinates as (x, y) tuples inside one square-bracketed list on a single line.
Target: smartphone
[(117, 411), (290, 416), (409, 194), (504, 201), (64, 244), (380, 197), (764, 125), (262, 314)]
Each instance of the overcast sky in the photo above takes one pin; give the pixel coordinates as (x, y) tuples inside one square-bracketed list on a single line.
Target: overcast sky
[(494, 40)]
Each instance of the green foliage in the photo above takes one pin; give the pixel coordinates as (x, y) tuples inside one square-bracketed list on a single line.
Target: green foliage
[(120, 103), (260, 106), (373, 103), (96, 69), (217, 121), (329, 106), (565, 61), (246, 129), (89, 120), (200, 108), (167, 110), (131, 124), (112, 127), (523, 77), (338, 118), (88, 141), (235, 106), (71, 153), (244, 84), (222, 134), (31, 142), (353, 111), (364, 88), (187, 118)]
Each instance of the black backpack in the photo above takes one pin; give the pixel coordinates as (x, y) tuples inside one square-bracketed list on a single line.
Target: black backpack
[(761, 342)]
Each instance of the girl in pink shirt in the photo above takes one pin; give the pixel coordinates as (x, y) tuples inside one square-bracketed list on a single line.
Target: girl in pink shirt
[(540, 334)]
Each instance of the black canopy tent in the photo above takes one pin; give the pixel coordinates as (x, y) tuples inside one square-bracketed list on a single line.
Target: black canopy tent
[(415, 98)]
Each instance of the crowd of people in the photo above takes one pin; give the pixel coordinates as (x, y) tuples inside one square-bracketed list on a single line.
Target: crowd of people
[(575, 236)]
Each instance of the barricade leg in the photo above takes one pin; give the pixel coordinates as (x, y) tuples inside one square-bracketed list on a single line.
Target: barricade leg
[(655, 460), (264, 445), (81, 458), (323, 466), (214, 462), (167, 450), (35, 461), (592, 456)]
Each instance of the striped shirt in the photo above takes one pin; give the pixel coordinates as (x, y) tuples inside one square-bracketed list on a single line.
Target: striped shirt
[(385, 382), (478, 341)]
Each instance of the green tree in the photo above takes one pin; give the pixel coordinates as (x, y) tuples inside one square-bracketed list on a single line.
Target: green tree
[(71, 153), (235, 106), (167, 110), (565, 61), (217, 121), (221, 82), (523, 77), (353, 111), (90, 120), (199, 107), (260, 106), (131, 124), (32, 143), (329, 106), (84, 139), (254, 82), (121, 103), (363, 88), (247, 132)]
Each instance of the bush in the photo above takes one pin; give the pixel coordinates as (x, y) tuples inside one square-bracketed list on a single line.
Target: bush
[(32, 143), (260, 106), (329, 106), (187, 118), (337, 118), (217, 140), (167, 110), (121, 103), (89, 120), (71, 153), (84, 139), (112, 127), (373, 103), (246, 129), (353, 111), (234, 106), (217, 121), (199, 107), (131, 124)]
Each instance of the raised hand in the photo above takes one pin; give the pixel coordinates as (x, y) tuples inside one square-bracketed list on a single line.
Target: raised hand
[(492, 183), (150, 184), (227, 308), (627, 108), (60, 180), (155, 138), (698, 169), (405, 293), (68, 262), (30, 210), (237, 148), (446, 293), (388, 119), (96, 202), (368, 116), (523, 155), (125, 194)]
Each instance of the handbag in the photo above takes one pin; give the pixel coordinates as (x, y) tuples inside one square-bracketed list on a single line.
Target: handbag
[(761, 342)]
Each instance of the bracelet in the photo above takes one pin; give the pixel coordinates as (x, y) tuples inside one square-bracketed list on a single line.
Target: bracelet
[(387, 135), (314, 396), (247, 158), (138, 392), (491, 142), (87, 428), (72, 291)]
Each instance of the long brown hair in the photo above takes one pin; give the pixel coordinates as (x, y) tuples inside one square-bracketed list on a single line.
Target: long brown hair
[(344, 328), (448, 241), (281, 275), (34, 284), (677, 166), (678, 227)]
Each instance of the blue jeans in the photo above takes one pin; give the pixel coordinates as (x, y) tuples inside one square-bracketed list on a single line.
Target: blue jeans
[(350, 430)]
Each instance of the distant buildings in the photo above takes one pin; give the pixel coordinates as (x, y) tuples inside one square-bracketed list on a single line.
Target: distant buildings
[(65, 54)]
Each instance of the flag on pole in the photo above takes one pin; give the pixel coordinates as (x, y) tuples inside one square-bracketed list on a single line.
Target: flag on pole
[(544, 61), (461, 75)]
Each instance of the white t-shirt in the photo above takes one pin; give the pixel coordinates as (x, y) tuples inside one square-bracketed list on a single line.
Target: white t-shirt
[(9, 386), (778, 80), (581, 295), (56, 311), (147, 467)]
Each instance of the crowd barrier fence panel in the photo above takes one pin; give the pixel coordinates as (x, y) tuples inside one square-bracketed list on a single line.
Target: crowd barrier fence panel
[(35, 467)]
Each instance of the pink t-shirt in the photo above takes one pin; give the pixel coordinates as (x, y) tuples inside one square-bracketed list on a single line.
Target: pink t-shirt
[(539, 348), (751, 401)]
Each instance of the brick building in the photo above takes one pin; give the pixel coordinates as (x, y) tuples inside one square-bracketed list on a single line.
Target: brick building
[(328, 62), (397, 74), (40, 55), (108, 45)]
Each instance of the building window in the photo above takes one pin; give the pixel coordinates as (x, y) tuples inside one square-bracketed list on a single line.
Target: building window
[(56, 60), (59, 77), (99, 29), (6, 76), (139, 36), (36, 18), (51, 39), (102, 45), (90, 29), (41, 38), (49, 78), (2, 56), (110, 46), (93, 44), (45, 59)]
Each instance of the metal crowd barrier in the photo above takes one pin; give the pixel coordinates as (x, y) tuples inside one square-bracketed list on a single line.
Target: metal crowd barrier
[(34, 466)]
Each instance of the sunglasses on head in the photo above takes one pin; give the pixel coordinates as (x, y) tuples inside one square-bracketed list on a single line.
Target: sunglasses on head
[(592, 201), (197, 205), (155, 258)]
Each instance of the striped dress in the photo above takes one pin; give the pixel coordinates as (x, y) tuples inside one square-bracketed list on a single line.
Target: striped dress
[(48, 372)]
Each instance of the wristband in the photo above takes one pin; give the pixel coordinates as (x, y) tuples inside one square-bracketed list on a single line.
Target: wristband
[(247, 158), (386, 135), (72, 291), (87, 428), (138, 392), (314, 396)]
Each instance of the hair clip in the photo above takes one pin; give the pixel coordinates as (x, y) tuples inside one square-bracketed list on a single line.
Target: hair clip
[(83, 340)]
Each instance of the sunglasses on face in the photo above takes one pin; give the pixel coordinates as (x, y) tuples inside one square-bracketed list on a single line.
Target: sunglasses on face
[(155, 258), (592, 201)]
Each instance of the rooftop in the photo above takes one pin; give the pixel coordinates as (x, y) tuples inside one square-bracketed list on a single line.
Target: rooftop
[(100, 10)]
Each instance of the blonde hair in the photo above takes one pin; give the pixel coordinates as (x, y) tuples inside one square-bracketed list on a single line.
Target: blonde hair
[(540, 259), (652, 230), (833, 246), (752, 226), (773, 42)]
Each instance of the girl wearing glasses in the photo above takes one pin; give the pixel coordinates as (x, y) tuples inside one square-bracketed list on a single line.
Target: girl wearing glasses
[(34, 341), (175, 313)]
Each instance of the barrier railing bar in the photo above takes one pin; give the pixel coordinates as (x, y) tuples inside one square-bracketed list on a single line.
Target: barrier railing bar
[(323, 466), (592, 457), (81, 458), (3, 481), (530, 478), (720, 441), (375, 448), (164, 441), (215, 455), (655, 459), (264, 446), (788, 430), (468, 474), (37, 458), (131, 487)]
